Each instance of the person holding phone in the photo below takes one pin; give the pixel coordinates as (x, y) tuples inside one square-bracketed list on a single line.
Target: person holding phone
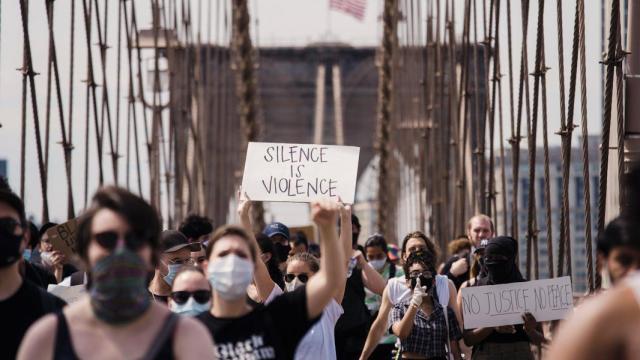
[(426, 329)]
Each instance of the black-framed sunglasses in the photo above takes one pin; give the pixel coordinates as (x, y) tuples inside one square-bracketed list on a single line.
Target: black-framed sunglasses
[(302, 277), (200, 296), (109, 240), (426, 274)]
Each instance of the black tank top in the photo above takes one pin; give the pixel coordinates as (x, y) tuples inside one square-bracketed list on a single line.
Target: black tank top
[(161, 347)]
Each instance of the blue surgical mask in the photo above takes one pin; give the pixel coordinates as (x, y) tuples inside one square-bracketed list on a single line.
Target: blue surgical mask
[(190, 308), (173, 271), (26, 254)]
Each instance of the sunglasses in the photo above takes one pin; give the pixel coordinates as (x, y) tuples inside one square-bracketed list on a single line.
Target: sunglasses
[(303, 277), (109, 240), (415, 274), (200, 296)]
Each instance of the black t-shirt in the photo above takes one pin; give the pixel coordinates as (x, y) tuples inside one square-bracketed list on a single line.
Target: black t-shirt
[(20, 311), (457, 280), (38, 275), (270, 331)]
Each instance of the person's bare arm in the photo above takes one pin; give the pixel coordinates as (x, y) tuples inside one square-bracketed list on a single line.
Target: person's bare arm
[(38, 342), (453, 301), (589, 334), (371, 279), (455, 349), (262, 279), (379, 326), (345, 240), (320, 288), (192, 340), (402, 329)]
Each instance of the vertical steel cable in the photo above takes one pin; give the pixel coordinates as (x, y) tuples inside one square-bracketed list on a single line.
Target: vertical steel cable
[(585, 148), (547, 188), (47, 112), (66, 147), (532, 231), (91, 85), (565, 132), (23, 124), (514, 141), (34, 108), (246, 84), (385, 109)]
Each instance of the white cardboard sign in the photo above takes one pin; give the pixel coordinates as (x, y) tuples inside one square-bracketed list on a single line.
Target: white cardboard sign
[(300, 172), (70, 294), (497, 305)]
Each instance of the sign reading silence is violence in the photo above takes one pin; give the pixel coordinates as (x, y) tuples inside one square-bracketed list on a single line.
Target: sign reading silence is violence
[(300, 172), (504, 304)]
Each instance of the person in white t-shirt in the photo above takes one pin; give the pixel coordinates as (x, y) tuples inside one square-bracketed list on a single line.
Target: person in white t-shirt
[(319, 341), (397, 291)]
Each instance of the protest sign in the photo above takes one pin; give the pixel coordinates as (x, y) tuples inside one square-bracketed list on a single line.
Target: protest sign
[(63, 237), (497, 305), (300, 172), (70, 294)]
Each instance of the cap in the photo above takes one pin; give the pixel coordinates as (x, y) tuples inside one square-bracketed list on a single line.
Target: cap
[(483, 244), (277, 228), (172, 240), (392, 252)]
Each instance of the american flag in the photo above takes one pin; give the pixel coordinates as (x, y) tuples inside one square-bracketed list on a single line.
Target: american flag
[(355, 8)]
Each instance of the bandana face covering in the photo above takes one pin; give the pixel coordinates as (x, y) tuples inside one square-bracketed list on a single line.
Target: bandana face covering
[(118, 292)]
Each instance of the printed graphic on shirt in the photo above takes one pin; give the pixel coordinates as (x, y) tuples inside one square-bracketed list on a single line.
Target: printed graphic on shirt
[(251, 348)]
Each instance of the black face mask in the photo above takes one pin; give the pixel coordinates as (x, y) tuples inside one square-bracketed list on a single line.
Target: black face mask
[(423, 282), (9, 242), (498, 271), (282, 251)]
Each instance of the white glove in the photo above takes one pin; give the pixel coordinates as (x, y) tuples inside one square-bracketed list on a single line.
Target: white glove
[(419, 292)]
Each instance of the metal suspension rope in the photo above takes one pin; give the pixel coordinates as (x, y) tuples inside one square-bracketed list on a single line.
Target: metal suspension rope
[(532, 230), (88, 123), (34, 107), (495, 83), (565, 132), (91, 85), (66, 147), (105, 107), (385, 108), (585, 150), (523, 91), (131, 95), (547, 189), (246, 84), (515, 139)]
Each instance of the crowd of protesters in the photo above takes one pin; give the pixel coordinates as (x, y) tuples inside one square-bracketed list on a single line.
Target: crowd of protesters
[(203, 291)]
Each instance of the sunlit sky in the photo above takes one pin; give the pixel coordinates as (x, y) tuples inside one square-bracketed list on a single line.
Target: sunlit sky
[(278, 23)]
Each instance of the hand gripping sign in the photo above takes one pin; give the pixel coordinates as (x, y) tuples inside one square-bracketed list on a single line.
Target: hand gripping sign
[(497, 305), (300, 172)]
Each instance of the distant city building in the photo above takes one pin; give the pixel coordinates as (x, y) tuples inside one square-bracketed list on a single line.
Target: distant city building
[(576, 207)]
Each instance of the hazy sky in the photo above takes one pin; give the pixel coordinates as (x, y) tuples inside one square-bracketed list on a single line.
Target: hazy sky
[(279, 23)]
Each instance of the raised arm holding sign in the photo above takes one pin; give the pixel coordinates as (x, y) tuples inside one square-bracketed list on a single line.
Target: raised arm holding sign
[(300, 172)]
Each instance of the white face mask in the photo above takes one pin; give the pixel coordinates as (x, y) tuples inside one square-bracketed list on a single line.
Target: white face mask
[(190, 308), (230, 275), (378, 264), (46, 257), (290, 286)]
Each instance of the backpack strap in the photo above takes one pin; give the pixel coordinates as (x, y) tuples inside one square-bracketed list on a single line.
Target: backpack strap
[(165, 334)]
